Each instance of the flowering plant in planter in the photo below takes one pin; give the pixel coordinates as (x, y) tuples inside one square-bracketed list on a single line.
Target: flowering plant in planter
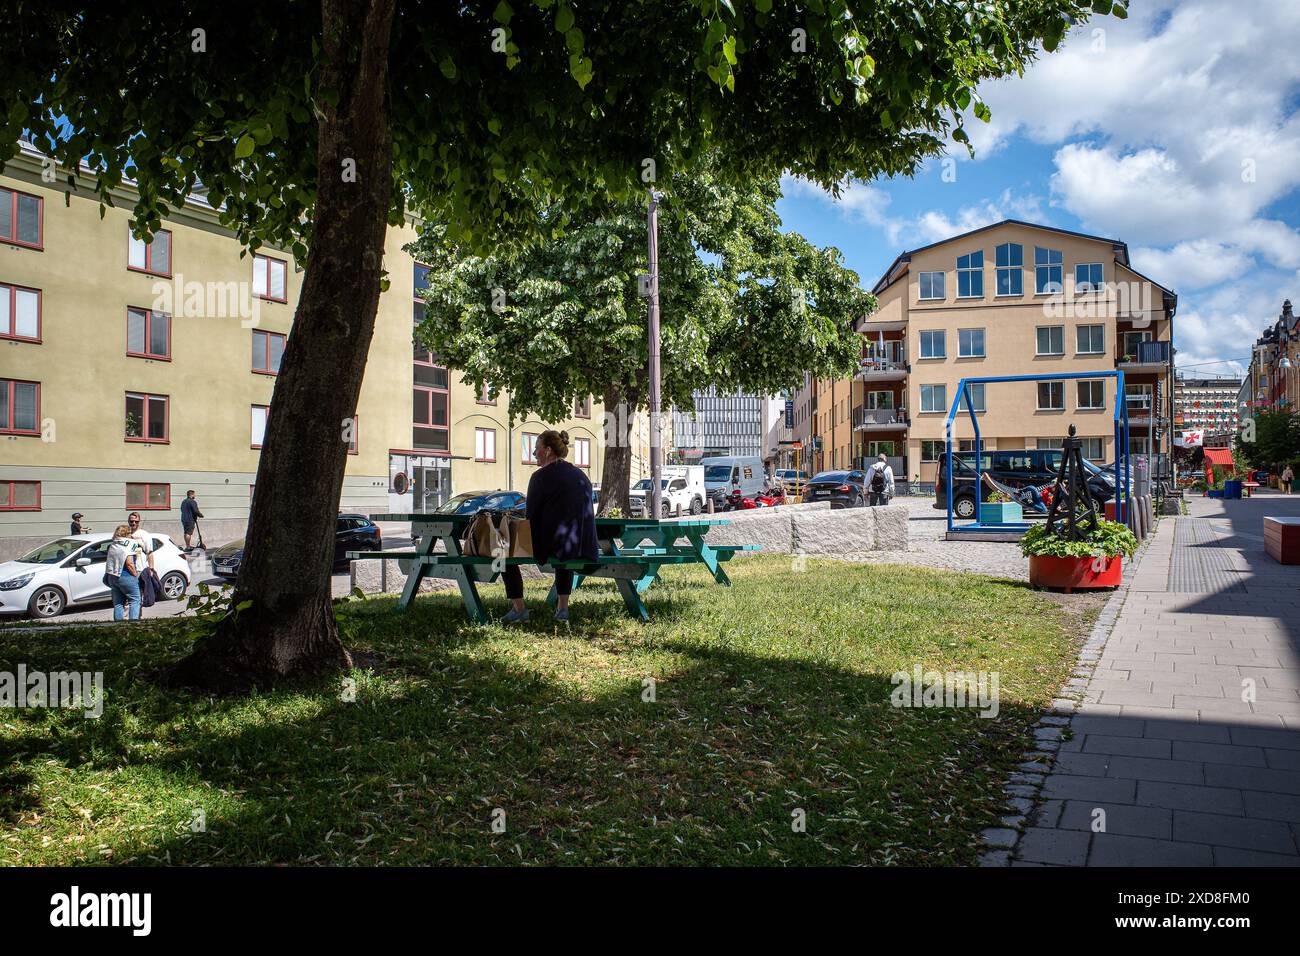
[(1109, 539)]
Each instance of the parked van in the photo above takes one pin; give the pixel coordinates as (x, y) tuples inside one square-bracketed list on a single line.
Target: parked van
[(681, 485), (726, 474), (1016, 467)]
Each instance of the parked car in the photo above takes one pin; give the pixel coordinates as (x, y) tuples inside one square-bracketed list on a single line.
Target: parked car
[(794, 481), (1016, 467), (843, 489), (69, 572), (680, 485), (468, 502), (352, 532)]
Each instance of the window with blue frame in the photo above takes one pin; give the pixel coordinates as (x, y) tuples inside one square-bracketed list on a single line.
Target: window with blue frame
[(933, 344), (970, 275), (1010, 257), (1049, 267), (931, 285), (934, 398), (1088, 277)]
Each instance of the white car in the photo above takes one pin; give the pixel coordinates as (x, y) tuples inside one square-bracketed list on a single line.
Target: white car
[(69, 572)]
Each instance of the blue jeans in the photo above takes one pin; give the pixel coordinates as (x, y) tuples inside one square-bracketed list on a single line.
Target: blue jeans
[(126, 597)]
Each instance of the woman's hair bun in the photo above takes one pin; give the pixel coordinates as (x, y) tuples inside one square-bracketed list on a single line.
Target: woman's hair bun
[(564, 437)]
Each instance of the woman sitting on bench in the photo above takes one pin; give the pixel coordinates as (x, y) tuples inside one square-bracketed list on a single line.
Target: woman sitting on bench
[(561, 521)]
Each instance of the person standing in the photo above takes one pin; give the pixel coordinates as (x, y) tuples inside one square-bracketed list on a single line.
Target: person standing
[(561, 521), (140, 536), (190, 515), (122, 574), (1287, 477), (77, 526), (880, 482)]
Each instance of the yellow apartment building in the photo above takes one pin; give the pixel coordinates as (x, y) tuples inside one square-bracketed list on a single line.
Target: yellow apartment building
[(1013, 298), (130, 373)]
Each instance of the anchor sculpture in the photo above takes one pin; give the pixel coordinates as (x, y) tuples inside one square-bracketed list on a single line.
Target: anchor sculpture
[(1072, 506)]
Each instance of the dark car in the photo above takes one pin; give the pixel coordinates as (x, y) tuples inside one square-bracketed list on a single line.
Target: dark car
[(470, 502), (352, 532), (1017, 467), (843, 489)]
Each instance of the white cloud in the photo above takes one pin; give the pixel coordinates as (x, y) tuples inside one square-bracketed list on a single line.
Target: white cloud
[(1195, 264)]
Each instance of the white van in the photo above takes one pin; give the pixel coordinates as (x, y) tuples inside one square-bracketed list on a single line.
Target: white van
[(726, 474), (681, 485)]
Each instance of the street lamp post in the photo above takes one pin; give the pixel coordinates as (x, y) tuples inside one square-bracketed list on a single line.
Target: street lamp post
[(656, 456)]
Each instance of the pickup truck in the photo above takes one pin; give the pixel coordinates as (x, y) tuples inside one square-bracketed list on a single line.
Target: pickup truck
[(680, 485)]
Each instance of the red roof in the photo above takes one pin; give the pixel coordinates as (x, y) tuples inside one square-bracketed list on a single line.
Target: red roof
[(1218, 456)]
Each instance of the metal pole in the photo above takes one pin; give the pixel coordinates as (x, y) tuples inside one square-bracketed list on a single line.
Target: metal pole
[(656, 460)]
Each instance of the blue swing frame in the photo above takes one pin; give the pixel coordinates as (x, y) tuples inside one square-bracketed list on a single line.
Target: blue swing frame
[(1122, 500)]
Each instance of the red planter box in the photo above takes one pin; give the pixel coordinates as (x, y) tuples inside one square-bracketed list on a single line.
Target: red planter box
[(1047, 571)]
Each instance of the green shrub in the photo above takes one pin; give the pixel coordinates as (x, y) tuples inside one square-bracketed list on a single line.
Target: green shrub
[(1109, 538)]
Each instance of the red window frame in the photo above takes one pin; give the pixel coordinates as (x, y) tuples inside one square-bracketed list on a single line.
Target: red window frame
[(7, 502), (148, 334), (7, 428), (148, 486), (40, 220), (480, 400), (586, 443), (144, 425), (13, 290), (148, 254), (523, 456), (251, 443), (279, 335), (269, 259), (486, 431), (354, 447)]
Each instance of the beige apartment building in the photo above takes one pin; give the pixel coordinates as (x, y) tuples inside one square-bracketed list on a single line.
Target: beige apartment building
[(132, 372), (1012, 298)]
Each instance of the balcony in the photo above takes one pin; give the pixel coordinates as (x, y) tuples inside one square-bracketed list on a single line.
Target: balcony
[(883, 368), (880, 419), (1149, 357), (1144, 410)]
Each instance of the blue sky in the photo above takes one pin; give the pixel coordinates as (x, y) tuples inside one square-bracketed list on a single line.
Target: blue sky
[(1176, 131)]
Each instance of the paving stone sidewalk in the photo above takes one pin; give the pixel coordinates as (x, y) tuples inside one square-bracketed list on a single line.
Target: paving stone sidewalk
[(1184, 747)]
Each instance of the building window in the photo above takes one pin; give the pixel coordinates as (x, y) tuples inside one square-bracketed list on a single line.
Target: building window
[(259, 415), (933, 344), (20, 407), (485, 395), (20, 313), (1088, 277), (879, 399), (970, 276), (1048, 268), (429, 417), (1051, 396), (1051, 340), (931, 285), (934, 398), (582, 452), (931, 450), (20, 496), (148, 334), (528, 448), (1092, 394), (268, 351), (148, 496), (146, 417), (20, 218), (354, 435), (1010, 258), (1092, 449), (976, 392), (154, 257), (270, 278), (582, 407), (485, 444), (970, 343), (1091, 339), (1133, 342), (421, 281)]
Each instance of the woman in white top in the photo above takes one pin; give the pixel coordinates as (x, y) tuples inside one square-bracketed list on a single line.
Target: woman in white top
[(122, 574)]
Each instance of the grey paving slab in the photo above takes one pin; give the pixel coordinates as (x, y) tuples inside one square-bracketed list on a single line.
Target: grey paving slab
[(1248, 833), (1062, 847)]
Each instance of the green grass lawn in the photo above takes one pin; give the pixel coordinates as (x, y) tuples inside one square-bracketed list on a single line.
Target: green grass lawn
[(771, 697)]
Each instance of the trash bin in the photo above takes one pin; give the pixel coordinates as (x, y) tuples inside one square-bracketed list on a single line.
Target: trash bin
[(1232, 488)]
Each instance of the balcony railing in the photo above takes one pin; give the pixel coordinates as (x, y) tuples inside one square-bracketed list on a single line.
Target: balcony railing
[(880, 418), (883, 366), (897, 463)]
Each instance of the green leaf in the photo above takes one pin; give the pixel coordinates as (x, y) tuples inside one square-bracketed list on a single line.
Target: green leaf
[(729, 50), (563, 18), (503, 13), (762, 6), (447, 66), (244, 148), (982, 112)]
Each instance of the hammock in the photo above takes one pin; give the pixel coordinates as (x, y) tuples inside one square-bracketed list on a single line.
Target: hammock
[(1025, 497)]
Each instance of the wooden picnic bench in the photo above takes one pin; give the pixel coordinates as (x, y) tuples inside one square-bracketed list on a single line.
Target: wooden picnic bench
[(631, 552)]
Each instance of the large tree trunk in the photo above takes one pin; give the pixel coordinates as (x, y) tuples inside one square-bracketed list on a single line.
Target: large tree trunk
[(616, 475), (288, 629)]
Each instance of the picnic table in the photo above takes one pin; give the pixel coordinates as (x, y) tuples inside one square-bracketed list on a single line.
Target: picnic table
[(631, 552)]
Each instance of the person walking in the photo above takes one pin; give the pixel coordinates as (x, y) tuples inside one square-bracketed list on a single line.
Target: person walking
[(1287, 477), (880, 482), (561, 521), (190, 515), (77, 526), (140, 536), (122, 574)]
